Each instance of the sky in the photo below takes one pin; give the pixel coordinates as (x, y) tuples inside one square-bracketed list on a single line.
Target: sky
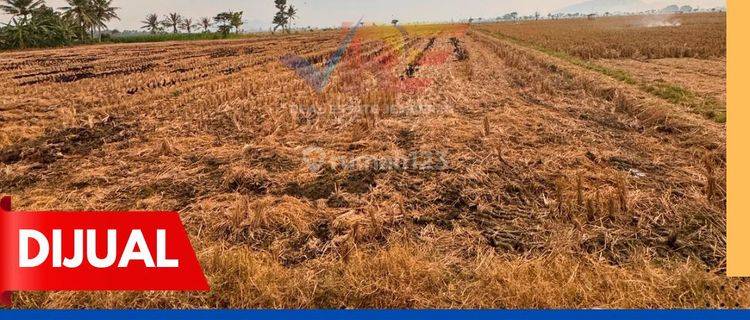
[(325, 13)]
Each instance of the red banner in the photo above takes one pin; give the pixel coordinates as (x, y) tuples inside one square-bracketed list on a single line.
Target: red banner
[(95, 251)]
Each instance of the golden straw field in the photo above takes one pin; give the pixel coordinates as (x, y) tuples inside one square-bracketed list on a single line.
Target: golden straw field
[(443, 166)]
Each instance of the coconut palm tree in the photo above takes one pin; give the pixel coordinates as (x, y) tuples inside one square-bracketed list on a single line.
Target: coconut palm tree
[(284, 16), (103, 12), (280, 20), (151, 23), (173, 20), (79, 11), (206, 24), (188, 24), (291, 14), (21, 8)]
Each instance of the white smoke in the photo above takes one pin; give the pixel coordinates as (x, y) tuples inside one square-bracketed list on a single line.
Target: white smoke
[(661, 21)]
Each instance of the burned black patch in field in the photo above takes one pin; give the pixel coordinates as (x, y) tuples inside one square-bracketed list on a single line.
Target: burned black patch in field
[(65, 78), (249, 50), (459, 51), (624, 164), (127, 71), (50, 147), (60, 78), (152, 85), (617, 239), (80, 73), (19, 181), (605, 119), (406, 139), (223, 53), (66, 59), (248, 182), (307, 247), (324, 186), (360, 182), (184, 192), (315, 190), (11, 66), (453, 203), (452, 197), (337, 201), (231, 70), (414, 65), (271, 159), (165, 83), (511, 229), (53, 72), (183, 70)]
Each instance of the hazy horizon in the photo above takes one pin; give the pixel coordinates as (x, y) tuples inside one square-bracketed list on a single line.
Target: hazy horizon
[(323, 13)]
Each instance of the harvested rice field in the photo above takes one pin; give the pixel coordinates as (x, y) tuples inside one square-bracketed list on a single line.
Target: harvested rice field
[(440, 166)]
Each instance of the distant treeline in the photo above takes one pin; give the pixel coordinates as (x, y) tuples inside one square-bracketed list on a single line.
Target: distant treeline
[(33, 24), (160, 37)]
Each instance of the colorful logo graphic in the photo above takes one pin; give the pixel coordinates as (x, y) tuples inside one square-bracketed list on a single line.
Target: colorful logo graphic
[(318, 78), (394, 63)]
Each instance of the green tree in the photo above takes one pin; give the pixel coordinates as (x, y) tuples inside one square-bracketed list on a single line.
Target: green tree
[(50, 28), (236, 21), (188, 24), (102, 12), (291, 14), (80, 13), (22, 8), (279, 19), (173, 20), (284, 15), (42, 27), (206, 24), (151, 23), (225, 30), (224, 22), (16, 34)]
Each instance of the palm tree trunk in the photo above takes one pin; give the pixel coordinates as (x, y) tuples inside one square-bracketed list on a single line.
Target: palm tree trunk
[(21, 42)]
